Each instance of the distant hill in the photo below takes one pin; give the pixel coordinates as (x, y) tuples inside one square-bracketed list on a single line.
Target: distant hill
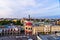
[(56, 16)]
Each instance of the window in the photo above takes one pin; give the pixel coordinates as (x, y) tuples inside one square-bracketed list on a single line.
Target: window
[(26, 27), (29, 28)]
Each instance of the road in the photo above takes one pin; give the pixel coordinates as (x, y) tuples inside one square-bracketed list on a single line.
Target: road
[(22, 37)]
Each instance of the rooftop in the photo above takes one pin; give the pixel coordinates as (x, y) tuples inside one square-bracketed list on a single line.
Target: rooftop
[(49, 37)]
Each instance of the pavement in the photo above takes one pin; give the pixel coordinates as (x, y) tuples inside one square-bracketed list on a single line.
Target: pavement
[(21, 37), (8, 38)]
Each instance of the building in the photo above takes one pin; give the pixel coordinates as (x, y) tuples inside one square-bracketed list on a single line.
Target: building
[(28, 27), (48, 37), (46, 29), (58, 22), (41, 29)]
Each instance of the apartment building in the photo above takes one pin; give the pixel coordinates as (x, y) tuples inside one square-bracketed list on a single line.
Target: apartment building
[(46, 29)]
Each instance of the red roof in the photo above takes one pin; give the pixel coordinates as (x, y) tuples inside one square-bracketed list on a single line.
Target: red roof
[(28, 23)]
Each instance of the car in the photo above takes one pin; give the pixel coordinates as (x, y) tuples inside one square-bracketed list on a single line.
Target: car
[(0, 30), (30, 39)]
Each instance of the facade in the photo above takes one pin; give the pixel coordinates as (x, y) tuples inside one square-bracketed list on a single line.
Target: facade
[(55, 28), (46, 29), (58, 22), (28, 27), (37, 29)]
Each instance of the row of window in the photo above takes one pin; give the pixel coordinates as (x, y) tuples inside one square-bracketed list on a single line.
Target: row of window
[(29, 28)]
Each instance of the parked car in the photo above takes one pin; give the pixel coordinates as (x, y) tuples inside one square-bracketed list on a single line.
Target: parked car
[(30, 39)]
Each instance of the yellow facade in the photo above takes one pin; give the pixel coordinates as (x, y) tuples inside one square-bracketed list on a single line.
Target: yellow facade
[(58, 22), (45, 29), (55, 28), (14, 20), (37, 29)]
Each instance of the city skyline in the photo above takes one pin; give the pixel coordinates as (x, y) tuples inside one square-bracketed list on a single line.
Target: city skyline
[(35, 8)]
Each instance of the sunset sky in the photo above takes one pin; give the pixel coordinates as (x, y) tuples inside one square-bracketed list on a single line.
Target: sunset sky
[(23, 8)]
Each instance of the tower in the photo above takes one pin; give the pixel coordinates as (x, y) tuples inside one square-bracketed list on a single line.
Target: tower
[(29, 16)]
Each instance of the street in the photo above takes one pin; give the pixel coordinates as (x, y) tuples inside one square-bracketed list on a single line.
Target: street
[(18, 37)]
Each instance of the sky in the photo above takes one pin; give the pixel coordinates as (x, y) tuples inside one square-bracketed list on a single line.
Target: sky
[(23, 8)]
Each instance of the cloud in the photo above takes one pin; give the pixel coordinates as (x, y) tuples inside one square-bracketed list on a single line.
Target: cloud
[(5, 11), (22, 8)]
